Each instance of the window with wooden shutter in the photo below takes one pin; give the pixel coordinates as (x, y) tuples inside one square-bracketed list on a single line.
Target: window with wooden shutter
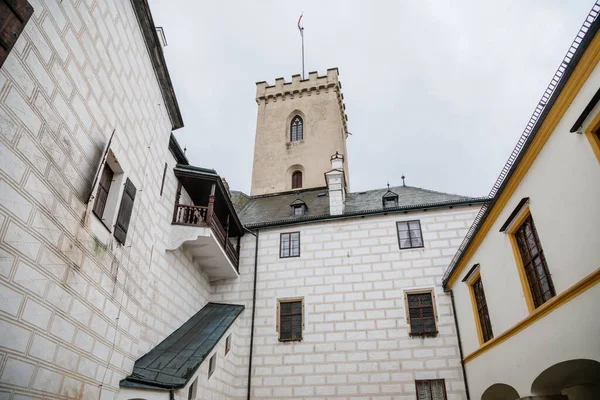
[(125, 211), (534, 263), (103, 190), (421, 313), (297, 180), (485, 332), (431, 389), (290, 319), (14, 15), (212, 365)]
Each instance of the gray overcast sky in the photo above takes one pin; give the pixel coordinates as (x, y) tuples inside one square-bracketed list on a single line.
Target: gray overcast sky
[(437, 90)]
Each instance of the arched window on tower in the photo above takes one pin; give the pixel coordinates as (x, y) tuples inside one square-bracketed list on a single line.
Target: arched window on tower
[(297, 129), (297, 180)]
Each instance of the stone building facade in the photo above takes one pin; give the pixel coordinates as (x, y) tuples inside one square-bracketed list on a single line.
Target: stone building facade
[(77, 308)]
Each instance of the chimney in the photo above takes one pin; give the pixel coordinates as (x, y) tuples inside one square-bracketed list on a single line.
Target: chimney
[(336, 185)]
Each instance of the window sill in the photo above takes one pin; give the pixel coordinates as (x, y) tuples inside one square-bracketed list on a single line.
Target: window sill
[(290, 340), (290, 256), (412, 248), (425, 334)]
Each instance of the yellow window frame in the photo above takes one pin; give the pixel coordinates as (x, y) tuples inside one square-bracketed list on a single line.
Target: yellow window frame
[(474, 276), (592, 137), (526, 213)]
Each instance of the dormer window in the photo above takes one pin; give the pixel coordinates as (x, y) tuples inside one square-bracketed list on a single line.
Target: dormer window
[(390, 199), (298, 207), (297, 129)]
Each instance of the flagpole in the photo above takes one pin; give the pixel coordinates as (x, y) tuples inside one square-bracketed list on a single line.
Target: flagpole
[(302, 52)]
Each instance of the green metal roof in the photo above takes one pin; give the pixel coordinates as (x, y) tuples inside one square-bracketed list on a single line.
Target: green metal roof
[(177, 358)]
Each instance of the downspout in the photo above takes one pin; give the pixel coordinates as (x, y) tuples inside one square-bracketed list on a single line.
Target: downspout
[(460, 351), (253, 310), (171, 394)]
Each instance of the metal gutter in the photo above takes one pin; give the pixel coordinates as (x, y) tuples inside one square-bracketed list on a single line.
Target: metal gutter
[(585, 35), (460, 350), (176, 151), (253, 312)]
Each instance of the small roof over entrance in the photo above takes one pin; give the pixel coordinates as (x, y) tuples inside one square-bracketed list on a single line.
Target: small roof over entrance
[(177, 358)]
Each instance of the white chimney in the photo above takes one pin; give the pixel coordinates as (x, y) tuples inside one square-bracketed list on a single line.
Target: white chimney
[(336, 185)]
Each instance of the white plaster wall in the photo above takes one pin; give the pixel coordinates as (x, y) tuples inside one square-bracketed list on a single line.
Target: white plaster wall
[(352, 275), (563, 185), (566, 333), (76, 310)]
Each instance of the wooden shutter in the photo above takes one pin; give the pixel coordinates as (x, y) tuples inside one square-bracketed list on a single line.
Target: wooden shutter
[(103, 190), (14, 15), (125, 212), (297, 180)]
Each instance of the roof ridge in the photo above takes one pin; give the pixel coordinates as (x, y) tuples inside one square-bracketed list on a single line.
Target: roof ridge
[(391, 188)]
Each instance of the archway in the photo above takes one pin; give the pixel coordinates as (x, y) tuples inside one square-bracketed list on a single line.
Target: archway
[(500, 391), (579, 379)]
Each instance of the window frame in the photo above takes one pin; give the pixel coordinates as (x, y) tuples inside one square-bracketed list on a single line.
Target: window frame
[(431, 292), (21, 14), (193, 390), (592, 133), (302, 315), (228, 344), (409, 234), (417, 381), (289, 234), (212, 365), (512, 232), (298, 137), (95, 208), (472, 281)]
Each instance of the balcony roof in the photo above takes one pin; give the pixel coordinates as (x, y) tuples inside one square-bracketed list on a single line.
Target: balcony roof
[(197, 181), (173, 362)]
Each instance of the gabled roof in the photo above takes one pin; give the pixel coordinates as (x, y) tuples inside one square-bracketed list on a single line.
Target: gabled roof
[(273, 210), (175, 360)]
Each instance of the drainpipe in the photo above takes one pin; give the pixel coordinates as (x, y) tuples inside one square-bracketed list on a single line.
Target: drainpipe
[(171, 394), (253, 310), (462, 359)]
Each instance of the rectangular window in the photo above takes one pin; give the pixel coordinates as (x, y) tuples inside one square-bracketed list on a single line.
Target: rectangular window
[(227, 344), (290, 320), (481, 309), (431, 389), (409, 234), (289, 245), (103, 190), (193, 390), (534, 263), (14, 15), (421, 313), (212, 365)]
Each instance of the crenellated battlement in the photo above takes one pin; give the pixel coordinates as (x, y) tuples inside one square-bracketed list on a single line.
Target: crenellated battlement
[(282, 90)]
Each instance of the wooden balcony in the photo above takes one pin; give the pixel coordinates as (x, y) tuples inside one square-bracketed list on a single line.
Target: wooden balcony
[(203, 216), (208, 229)]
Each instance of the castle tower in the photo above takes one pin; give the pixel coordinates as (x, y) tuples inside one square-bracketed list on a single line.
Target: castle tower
[(300, 124)]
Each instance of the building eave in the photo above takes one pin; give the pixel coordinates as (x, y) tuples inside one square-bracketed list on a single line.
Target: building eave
[(155, 52)]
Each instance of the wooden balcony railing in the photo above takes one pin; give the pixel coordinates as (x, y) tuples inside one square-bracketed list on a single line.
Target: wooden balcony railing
[(190, 215), (204, 216)]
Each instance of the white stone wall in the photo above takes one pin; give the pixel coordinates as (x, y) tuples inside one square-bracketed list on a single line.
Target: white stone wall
[(352, 275), (76, 309)]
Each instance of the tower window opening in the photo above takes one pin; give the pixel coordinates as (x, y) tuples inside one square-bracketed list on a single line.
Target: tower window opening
[(297, 180), (297, 129)]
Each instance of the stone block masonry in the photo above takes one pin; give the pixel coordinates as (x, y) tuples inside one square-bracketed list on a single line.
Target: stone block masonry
[(352, 277), (76, 309)]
